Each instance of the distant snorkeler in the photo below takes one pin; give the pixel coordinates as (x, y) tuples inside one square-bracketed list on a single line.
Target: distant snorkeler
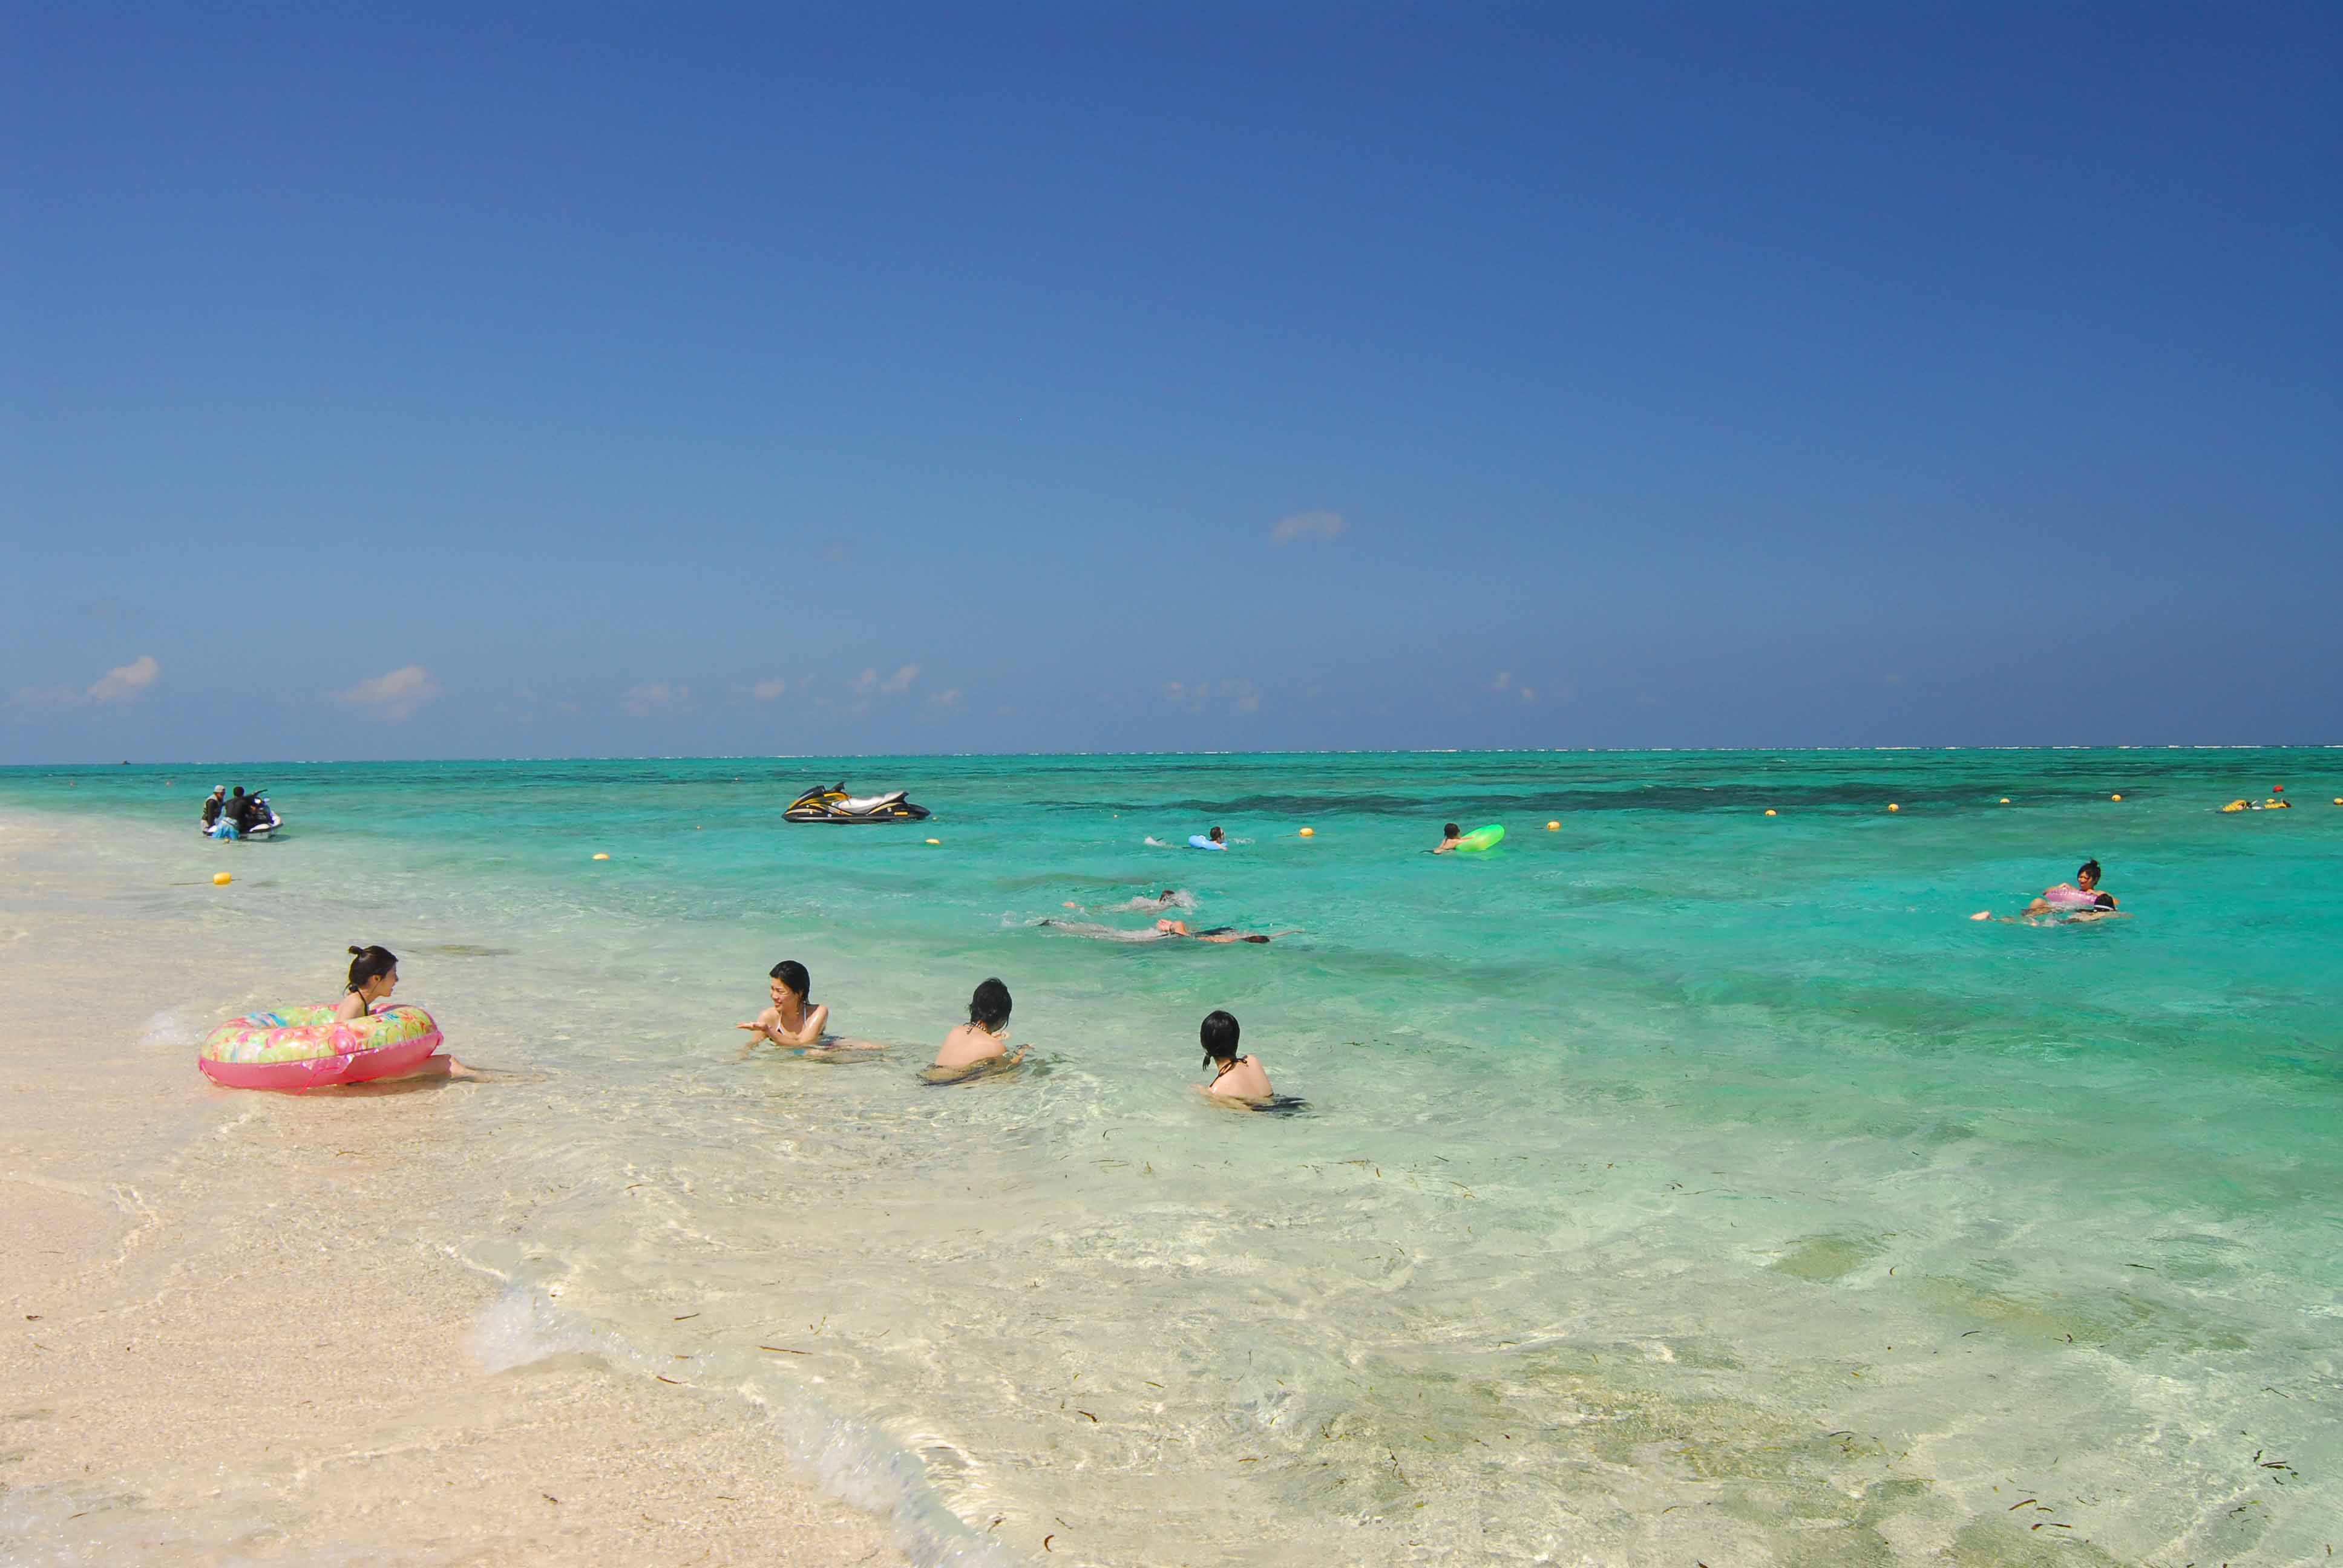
[(1168, 898), (1160, 931)]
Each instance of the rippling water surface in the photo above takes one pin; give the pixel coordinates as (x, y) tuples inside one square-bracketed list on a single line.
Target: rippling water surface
[(1679, 1182)]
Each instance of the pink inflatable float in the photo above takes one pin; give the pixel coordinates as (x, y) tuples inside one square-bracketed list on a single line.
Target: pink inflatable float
[(305, 1048)]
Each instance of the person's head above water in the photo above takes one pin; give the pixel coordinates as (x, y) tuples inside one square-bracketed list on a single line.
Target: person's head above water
[(989, 1008), (1448, 831), (1215, 836), (2086, 875), (790, 976), (1218, 1034), (1165, 895), (239, 793), (370, 965)]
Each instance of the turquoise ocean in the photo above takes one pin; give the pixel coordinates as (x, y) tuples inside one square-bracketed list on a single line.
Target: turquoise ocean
[(1679, 1183)]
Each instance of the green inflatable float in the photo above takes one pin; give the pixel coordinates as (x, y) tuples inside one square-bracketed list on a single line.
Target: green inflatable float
[(1480, 838)]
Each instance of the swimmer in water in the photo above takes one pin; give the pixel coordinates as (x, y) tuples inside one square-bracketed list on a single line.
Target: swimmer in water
[(2083, 897), (1160, 931), (793, 1022), (1214, 934), (981, 1044), (2066, 904), (1170, 898), (1239, 1079), (1448, 837)]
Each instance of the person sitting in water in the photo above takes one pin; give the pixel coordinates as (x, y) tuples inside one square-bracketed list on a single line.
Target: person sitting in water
[(2084, 895), (980, 1045), (1234, 1078), (1214, 934), (214, 804), (794, 1023), (373, 975), (1448, 838)]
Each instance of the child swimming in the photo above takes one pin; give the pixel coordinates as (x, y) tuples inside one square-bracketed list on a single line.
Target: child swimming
[(1234, 1078), (793, 1022), (980, 1045), (373, 975)]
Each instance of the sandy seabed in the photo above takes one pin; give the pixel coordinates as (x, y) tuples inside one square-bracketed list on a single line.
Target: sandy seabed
[(227, 1334)]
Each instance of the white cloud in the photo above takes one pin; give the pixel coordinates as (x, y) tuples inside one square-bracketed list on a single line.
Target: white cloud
[(894, 685), (946, 700), (653, 698), (766, 690), (1239, 694), (397, 694), (125, 679), (1321, 526), (1505, 679)]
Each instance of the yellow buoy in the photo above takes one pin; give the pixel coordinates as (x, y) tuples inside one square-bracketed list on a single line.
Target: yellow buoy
[(2004, 799), (2114, 797), (221, 879), (2339, 799), (1769, 810), (602, 856), (1553, 826), (1892, 806), (935, 840), (1309, 832)]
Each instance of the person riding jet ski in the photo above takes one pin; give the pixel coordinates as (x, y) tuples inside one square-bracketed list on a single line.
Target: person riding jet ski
[(835, 805), (260, 819)]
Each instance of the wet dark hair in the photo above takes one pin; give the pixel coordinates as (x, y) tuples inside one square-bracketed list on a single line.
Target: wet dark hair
[(990, 1005), (2088, 869), (370, 964), (1218, 1034), (1216, 834), (239, 790), (1166, 893), (792, 974), (1448, 831), (2104, 901)]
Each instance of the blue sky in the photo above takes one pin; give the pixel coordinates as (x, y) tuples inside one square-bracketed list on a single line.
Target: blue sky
[(1071, 376)]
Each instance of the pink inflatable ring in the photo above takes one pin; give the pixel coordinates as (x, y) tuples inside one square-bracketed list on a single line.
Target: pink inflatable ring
[(304, 1048)]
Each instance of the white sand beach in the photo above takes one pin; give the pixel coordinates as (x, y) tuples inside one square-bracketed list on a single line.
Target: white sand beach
[(226, 1337)]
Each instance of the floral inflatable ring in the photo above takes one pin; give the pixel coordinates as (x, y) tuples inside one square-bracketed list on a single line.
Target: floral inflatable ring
[(305, 1048)]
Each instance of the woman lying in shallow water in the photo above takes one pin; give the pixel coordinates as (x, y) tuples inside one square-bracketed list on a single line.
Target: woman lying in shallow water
[(794, 1023)]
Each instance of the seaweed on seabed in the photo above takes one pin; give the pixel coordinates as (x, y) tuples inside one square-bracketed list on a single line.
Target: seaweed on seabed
[(990, 1068), (1275, 1105)]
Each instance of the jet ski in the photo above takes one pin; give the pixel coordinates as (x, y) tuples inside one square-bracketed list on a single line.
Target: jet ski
[(835, 805)]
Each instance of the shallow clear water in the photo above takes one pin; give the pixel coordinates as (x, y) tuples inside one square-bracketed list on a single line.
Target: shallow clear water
[(1680, 1182)]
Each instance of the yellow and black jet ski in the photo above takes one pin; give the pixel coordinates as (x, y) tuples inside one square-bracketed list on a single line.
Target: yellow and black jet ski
[(835, 805)]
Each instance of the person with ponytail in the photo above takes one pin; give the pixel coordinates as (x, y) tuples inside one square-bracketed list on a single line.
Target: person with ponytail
[(373, 975), (794, 1023)]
